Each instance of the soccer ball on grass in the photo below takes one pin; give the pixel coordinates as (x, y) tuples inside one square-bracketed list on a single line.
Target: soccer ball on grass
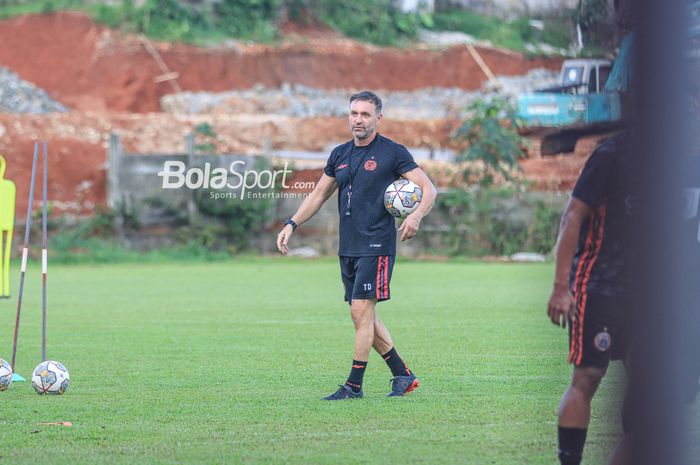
[(5, 375), (50, 378)]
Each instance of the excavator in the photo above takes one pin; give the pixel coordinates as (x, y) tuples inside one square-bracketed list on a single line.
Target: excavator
[(588, 100)]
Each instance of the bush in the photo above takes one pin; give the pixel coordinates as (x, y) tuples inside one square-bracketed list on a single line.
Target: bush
[(248, 18), (497, 31), (597, 25), (227, 224), (485, 220), (205, 138), (558, 32), (375, 21), (491, 134), (498, 222), (93, 240), (558, 29), (168, 19)]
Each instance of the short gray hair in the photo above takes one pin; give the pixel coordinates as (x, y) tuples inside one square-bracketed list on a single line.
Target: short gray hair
[(367, 96)]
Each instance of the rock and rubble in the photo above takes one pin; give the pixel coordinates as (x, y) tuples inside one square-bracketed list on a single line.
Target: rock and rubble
[(448, 38), (20, 96), (94, 68), (112, 84), (297, 100)]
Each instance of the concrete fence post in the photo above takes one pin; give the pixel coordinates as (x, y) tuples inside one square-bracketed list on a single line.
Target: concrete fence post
[(113, 156), (115, 198), (191, 204)]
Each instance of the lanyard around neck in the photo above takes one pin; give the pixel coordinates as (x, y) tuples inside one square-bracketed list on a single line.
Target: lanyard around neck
[(352, 177)]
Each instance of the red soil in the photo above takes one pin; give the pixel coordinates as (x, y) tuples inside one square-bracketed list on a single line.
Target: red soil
[(107, 79), (90, 67)]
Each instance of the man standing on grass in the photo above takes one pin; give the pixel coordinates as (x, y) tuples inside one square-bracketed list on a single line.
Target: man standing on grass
[(362, 169), (591, 284)]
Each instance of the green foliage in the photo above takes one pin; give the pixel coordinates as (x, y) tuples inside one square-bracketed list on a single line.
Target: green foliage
[(222, 227), (93, 240), (498, 222), (297, 10), (497, 31), (488, 221), (247, 18), (597, 25), (176, 21), (69, 240), (558, 29), (173, 20), (189, 22), (110, 250), (10, 8), (205, 138), (125, 15), (544, 229), (375, 21), (127, 213), (493, 140), (228, 223)]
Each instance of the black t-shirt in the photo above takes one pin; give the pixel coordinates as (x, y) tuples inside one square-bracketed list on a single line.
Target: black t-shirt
[(602, 256), (369, 230)]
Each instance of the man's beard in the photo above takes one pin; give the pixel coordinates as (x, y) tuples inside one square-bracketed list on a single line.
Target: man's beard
[(364, 134)]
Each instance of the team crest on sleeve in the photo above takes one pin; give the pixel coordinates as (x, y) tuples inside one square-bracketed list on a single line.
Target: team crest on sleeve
[(370, 165), (602, 340)]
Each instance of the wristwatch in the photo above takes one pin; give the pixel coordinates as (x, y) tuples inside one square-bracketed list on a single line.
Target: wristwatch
[(291, 222)]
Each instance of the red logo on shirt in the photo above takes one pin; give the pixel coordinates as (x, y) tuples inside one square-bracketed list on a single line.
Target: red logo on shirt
[(370, 165), (340, 167)]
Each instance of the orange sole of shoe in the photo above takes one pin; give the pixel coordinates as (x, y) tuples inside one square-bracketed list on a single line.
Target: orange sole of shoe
[(413, 386)]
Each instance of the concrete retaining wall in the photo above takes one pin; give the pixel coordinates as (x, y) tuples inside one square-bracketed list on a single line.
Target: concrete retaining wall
[(136, 191)]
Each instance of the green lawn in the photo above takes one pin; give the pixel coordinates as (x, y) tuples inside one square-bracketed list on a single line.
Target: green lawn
[(226, 362)]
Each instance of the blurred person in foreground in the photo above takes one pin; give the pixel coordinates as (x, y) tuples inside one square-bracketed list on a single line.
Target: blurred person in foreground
[(591, 289), (664, 383)]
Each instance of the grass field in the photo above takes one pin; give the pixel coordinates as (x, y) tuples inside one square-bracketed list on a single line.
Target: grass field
[(226, 362)]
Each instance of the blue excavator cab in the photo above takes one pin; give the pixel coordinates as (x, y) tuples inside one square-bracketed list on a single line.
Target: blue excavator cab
[(587, 100), (579, 101)]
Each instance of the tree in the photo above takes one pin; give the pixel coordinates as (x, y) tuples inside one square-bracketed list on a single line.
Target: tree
[(491, 132)]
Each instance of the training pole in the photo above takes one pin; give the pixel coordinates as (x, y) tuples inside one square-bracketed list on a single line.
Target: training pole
[(44, 258), (25, 252)]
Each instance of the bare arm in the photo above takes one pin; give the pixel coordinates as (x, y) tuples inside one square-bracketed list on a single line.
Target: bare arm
[(561, 303), (308, 208), (411, 224)]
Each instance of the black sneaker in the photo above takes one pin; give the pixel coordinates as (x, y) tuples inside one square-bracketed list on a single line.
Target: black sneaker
[(402, 385), (344, 392)]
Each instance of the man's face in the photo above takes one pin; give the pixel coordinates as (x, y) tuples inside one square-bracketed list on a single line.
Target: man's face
[(363, 119)]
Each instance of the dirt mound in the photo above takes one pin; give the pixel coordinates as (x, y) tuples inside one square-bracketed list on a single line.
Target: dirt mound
[(90, 67), (78, 144), (77, 177), (107, 79)]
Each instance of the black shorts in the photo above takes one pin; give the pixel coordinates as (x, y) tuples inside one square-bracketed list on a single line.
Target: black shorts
[(598, 334), (366, 277)]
